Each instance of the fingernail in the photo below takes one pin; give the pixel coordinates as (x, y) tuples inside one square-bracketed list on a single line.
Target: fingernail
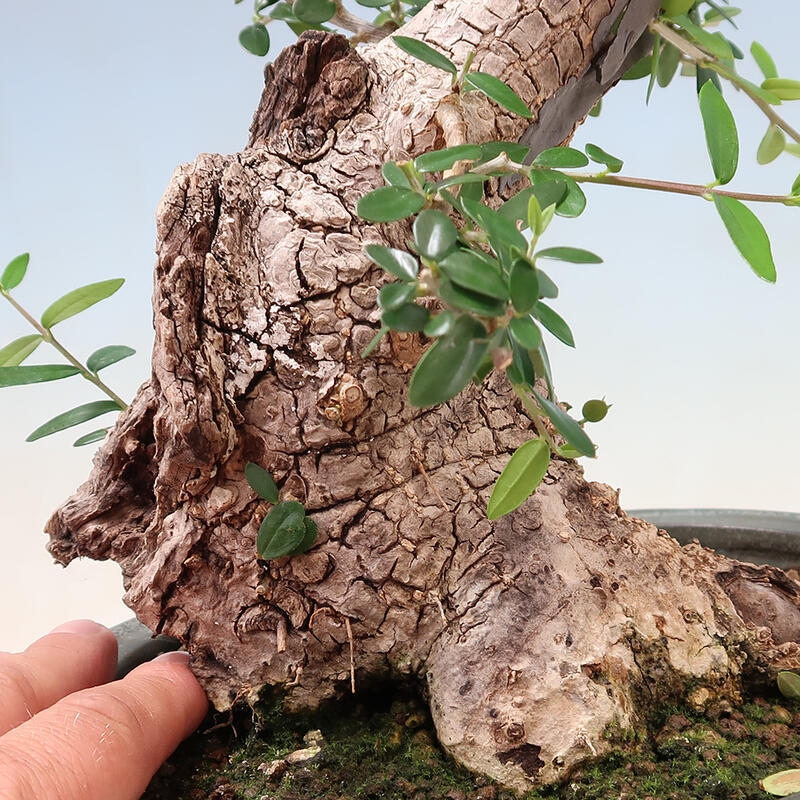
[(85, 627), (178, 656)]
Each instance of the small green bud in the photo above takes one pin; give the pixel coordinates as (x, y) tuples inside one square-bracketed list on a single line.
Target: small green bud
[(594, 410)]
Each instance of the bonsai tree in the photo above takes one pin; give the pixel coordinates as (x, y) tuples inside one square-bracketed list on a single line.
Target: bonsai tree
[(351, 462)]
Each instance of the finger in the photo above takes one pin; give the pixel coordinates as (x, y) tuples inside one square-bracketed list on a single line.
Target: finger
[(106, 741), (74, 656)]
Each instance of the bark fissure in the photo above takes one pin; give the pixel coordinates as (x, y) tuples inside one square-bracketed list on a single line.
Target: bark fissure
[(533, 633)]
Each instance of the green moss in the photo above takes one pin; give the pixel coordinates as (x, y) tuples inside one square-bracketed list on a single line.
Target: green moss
[(383, 746)]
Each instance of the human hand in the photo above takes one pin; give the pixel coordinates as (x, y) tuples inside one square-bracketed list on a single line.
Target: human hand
[(68, 733)]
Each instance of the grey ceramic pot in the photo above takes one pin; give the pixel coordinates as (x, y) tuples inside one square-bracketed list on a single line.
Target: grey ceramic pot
[(760, 537)]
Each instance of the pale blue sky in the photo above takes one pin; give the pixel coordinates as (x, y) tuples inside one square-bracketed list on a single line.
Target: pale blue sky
[(97, 107)]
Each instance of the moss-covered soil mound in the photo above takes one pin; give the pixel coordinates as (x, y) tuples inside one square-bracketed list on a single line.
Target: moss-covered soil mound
[(383, 746)]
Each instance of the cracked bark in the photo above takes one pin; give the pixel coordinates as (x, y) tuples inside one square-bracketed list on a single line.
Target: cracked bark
[(532, 634)]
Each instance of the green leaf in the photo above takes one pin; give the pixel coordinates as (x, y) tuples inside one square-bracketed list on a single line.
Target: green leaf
[(388, 204), (466, 300), (641, 69), (600, 156), (748, 235), (519, 479), (314, 12), (408, 318), (772, 145), (394, 295), (782, 88), (764, 61), (720, 128), (75, 416), (91, 438), (79, 300), (106, 356), (309, 537), (667, 64), (438, 160), (514, 150), (554, 323), (255, 39), (546, 193), (372, 3), (426, 53), (496, 90), (789, 684), (547, 287), (465, 178), (19, 376), (782, 783), (567, 427), (261, 482), (502, 232), (521, 371), (525, 332), (13, 354), (574, 255), (282, 530), (398, 262), (561, 158), (448, 365), (439, 325), (14, 272), (395, 176), (714, 43), (574, 201), (469, 270), (523, 286), (434, 234)]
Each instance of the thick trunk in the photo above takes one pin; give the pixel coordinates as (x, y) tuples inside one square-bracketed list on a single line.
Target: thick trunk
[(534, 634)]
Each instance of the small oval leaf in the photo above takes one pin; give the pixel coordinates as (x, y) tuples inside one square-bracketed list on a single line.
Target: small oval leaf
[(394, 295), (764, 61), (448, 365), (438, 160), (261, 482), (523, 286), (574, 255), (91, 438), (314, 12), (561, 158), (600, 156), (75, 416), (282, 530), (400, 263), (772, 145), (782, 88), (388, 204), (408, 318), (79, 300), (255, 39), (14, 272), (525, 332), (435, 234), (496, 90), (106, 356), (720, 129), (567, 427), (519, 479), (789, 684), (426, 53), (748, 235), (554, 323), (14, 353), (469, 270)]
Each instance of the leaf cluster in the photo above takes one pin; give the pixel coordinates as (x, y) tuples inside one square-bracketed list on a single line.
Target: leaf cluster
[(286, 530), (14, 372)]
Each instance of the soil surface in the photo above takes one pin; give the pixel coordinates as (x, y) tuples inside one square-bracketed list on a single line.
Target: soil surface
[(383, 746)]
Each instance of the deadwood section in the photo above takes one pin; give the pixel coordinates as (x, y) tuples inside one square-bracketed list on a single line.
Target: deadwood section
[(535, 635)]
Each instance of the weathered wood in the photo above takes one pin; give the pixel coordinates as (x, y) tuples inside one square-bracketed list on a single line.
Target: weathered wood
[(533, 634)]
